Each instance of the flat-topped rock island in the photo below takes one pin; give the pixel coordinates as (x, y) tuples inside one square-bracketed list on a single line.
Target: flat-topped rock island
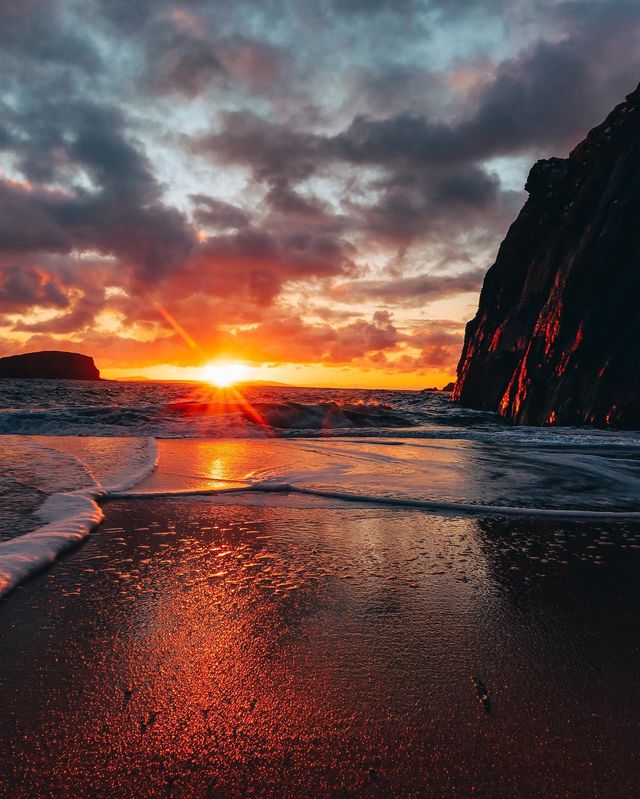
[(49, 365)]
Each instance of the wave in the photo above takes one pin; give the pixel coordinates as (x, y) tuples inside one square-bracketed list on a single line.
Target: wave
[(198, 419), (440, 506), (69, 518), (374, 473), (327, 415), (292, 419), (173, 411)]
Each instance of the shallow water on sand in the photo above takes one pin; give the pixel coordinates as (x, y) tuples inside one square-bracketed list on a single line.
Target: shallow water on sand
[(190, 649)]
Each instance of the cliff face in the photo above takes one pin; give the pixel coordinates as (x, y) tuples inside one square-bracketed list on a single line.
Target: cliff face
[(557, 335), (50, 365)]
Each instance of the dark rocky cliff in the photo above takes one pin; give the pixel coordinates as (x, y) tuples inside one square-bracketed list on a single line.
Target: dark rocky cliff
[(557, 335), (50, 365)]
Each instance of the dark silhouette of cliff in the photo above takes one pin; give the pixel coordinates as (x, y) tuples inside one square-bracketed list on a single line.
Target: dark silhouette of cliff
[(50, 365), (555, 339)]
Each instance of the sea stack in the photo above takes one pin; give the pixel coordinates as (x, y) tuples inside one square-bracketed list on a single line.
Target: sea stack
[(49, 365), (555, 339)]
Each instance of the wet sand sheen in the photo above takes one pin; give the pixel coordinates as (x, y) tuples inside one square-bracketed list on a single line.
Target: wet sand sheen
[(192, 649)]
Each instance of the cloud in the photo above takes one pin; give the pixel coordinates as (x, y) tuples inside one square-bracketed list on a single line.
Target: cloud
[(79, 319), (217, 214), (293, 340), (22, 287), (275, 172), (122, 213), (256, 263), (410, 291), (438, 341), (273, 150)]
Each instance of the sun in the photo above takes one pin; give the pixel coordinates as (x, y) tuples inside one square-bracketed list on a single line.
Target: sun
[(223, 373)]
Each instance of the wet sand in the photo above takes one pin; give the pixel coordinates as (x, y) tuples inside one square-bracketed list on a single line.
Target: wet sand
[(193, 649)]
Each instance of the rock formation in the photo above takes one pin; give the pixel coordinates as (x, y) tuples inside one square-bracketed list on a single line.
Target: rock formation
[(50, 365), (555, 339)]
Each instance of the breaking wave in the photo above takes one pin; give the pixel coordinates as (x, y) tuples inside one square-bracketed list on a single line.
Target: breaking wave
[(68, 518), (166, 410), (68, 447)]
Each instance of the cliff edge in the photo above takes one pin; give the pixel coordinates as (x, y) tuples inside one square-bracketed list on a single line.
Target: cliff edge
[(555, 339)]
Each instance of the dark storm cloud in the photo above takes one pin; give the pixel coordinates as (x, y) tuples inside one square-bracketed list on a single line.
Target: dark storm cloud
[(37, 30), (539, 101), (542, 98), (367, 131), (284, 199), (26, 221), (121, 214), (184, 55), (183, 47), (257, 263), (80, 318), (415, 290), (414, 204), (392, 88), (273, 150), (217, 214), (22, 287), (186, 61), (416, 194)]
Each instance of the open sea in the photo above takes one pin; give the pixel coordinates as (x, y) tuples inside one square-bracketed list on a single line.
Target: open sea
[(66, 444), (284, 592)]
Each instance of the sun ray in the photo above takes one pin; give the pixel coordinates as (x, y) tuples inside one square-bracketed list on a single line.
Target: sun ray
[(177, 327)]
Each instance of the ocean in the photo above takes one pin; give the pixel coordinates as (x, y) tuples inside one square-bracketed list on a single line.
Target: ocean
[(286, 592), (65, 444)]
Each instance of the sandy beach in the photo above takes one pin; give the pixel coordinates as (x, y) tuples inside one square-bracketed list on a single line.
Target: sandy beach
[(319, 399), (317, 648)]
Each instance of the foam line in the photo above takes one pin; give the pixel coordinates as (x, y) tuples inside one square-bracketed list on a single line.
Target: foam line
[(69, 518), (458, 508), (26, 554), (468, 509)]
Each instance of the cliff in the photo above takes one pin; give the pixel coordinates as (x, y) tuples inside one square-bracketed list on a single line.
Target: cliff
[(555, 339), (50, 365)]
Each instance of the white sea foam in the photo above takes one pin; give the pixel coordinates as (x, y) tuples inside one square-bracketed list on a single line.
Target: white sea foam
[(457, 508), (69, 518), (455, 478), (496, 478)]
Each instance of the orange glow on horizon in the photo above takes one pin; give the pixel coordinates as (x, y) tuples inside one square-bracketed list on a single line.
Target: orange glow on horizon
[(224, 373), (300, 375)]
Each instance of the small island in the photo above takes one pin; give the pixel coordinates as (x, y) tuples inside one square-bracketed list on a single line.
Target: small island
[(49, 365)]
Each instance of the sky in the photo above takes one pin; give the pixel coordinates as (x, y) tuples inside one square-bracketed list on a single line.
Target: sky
[(314, 188)]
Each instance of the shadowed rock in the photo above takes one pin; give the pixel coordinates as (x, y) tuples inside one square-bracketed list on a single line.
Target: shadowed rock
[(556, 334), (50, 365)]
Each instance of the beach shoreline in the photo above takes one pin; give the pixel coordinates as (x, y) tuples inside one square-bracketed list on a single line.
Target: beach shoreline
[(456, 477), (192, 648)]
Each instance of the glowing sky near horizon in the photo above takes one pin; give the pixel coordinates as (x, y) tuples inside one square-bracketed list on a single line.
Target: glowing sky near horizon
[(313, 189)]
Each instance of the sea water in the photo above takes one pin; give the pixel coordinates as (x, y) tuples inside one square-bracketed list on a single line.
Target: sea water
[(68, 446), (309, 592)]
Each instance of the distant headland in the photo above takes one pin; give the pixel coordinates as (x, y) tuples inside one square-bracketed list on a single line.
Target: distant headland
[(49, 365)]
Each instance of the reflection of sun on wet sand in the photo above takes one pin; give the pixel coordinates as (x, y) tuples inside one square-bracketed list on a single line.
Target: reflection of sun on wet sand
[(193, 649)]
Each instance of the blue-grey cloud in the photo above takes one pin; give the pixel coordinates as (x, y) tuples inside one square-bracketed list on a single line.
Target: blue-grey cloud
[(224, 151)]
